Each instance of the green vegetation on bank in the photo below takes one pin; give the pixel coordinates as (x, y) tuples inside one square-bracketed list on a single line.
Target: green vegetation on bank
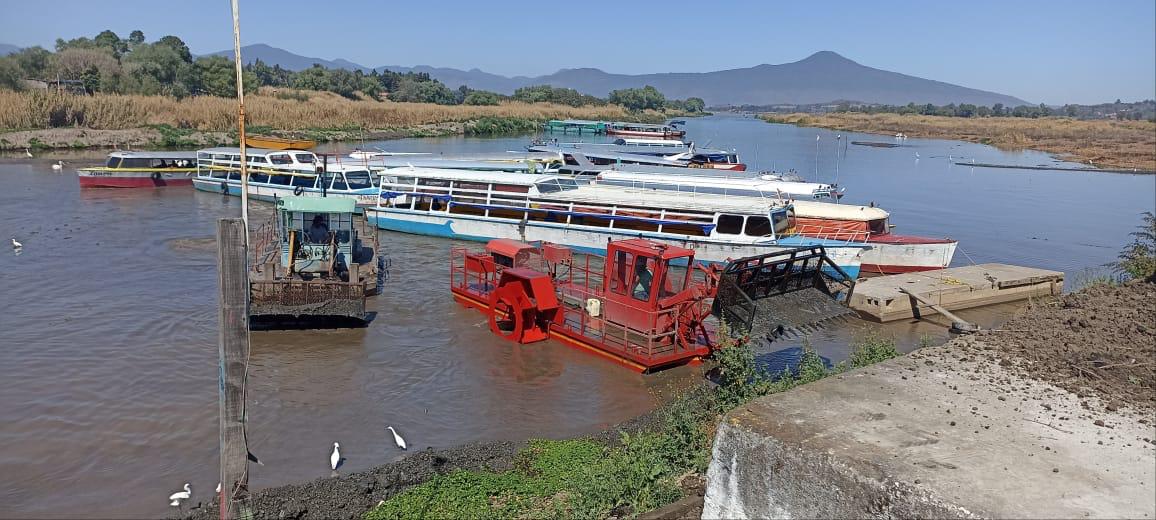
[(586, 478), (1136, 111), (1138, 259), (111, 65)]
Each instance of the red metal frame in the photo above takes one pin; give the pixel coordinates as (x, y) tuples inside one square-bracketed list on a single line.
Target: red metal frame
[(572, 301)]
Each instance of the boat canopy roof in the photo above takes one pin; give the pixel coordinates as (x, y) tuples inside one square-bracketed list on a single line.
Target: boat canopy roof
[(468, 175), (153, 155), (317, 204), (249, 150), (651, 142), (734, 182), (640, 125), (809, 209), (617, 195)]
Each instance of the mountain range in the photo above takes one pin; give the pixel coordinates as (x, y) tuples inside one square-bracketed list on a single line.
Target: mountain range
[(822, 77)]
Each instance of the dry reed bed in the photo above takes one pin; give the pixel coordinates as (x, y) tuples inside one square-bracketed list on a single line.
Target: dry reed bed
[(39, 110), (1116, 144)]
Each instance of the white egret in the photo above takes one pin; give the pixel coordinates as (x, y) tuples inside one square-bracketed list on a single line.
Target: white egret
[(397, 438), (15, 244), (58, 165), (28, 153), (218, 487), (175, 498), (335, 458)]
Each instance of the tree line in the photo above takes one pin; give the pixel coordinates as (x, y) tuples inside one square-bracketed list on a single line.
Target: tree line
[(1142, 110), (107, 63)]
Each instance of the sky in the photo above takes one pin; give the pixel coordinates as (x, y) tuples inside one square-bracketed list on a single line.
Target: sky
[(1055, 52)]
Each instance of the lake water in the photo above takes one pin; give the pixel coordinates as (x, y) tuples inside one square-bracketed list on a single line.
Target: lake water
[(108, 365)]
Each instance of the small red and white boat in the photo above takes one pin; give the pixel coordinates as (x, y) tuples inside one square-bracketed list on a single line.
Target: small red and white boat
[(889, 253), (141, 170)]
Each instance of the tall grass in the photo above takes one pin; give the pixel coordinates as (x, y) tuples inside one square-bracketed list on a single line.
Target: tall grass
[(278, 111), (1120, 144)]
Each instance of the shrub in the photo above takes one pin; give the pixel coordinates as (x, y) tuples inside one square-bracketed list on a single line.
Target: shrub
[(1138, 259)]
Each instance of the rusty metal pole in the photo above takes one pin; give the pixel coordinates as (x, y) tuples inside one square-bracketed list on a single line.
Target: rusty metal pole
[(233, 348)]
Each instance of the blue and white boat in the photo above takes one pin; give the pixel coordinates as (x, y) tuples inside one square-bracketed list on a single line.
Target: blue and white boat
[(482, 206), (278, 173)]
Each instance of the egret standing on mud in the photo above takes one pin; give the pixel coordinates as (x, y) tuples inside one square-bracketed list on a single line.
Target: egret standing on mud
[(397, 438), (335, 458)]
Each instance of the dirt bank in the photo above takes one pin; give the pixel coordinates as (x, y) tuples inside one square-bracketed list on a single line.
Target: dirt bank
[(1100, 341), (162, 137), (1101, 143)]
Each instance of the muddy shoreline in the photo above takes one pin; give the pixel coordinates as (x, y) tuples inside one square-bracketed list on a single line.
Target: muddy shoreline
[(161, 137)]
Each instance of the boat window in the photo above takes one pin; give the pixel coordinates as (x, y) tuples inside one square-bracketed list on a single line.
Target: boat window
[(281, 158), (305, 181), (258, 159), (554, 185), (695, 230), (358, 180), (259, 177), (622, 263), (730, 224), (113, 162), (512, 188), (339, 182), (235, 158), (305, 158), (135, 162), (234, 175), (318, 229), (643, 278), (877, 226), (781, 221), (758, 227), (282, 180), (674, 279)]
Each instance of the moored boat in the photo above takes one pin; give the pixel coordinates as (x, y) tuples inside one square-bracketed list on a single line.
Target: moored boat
[(889, 253), (710, 182), (276, 174), (279, 143), (483, 206), (125, 169), (643, 130), (687, 156)]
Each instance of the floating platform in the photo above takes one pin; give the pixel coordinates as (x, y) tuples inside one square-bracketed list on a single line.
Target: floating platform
[(578, 126), (883, 299)]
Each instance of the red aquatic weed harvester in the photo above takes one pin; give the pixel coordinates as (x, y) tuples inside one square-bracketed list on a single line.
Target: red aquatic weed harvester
[(646, 305)]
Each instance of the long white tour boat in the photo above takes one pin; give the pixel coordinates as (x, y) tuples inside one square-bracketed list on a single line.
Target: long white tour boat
[(279, 173), (482, 206), (758, 185)]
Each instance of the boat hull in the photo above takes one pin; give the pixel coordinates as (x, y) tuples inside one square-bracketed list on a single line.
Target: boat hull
[(107, 179), (483, 229), (906, 256)]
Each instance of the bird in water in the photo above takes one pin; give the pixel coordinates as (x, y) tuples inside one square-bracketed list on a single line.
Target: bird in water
[(15, 244), (916, 155), (397, 438), (218, 487), (176, 498), (335, 457), (28, 153), (58, 165)]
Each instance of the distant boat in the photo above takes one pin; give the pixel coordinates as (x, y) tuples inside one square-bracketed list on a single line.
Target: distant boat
[(643, 130), (279, 143)]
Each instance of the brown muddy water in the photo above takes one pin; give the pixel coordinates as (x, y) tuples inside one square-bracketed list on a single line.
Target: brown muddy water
[(108, 356)]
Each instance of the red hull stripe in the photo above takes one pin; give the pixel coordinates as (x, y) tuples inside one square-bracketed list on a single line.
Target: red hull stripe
[(131, 182)]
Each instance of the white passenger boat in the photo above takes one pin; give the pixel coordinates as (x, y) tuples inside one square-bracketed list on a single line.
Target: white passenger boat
[(483, 205), (278, 173), (761, 185)]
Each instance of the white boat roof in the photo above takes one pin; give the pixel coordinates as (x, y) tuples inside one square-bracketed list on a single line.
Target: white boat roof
[(754, 183), (657, 142), (657, 199), (249, 151), (145, 154), (810, 209), (522, 179)]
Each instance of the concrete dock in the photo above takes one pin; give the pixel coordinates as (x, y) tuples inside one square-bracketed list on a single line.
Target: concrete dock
[(955, 288), (936, 434)]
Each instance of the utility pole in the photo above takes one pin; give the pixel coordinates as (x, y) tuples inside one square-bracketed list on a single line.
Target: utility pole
[(233, 348)]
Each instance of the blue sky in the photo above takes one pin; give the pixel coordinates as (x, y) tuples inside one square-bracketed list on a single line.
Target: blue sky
[(1054, 52)]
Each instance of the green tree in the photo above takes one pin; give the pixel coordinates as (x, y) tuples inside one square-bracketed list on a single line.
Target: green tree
[(218, 77), (694, 104), (482, 97), (33, 61), (109, 40), (997, 109), (178, 45), (313, 78), (10, 74), (136, 38), (91, 80), (410, 90), (636, 99)]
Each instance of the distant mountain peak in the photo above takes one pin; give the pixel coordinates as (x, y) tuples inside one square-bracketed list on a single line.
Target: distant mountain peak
[(822, 77)]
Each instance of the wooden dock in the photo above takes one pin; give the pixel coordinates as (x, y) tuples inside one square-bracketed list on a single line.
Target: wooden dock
[(883, 298)]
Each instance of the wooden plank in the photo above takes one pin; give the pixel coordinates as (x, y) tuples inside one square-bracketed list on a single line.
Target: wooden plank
[(233, 348)]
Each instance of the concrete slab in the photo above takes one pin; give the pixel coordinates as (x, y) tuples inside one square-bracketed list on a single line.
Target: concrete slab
[(933, 434), (955, 288)]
